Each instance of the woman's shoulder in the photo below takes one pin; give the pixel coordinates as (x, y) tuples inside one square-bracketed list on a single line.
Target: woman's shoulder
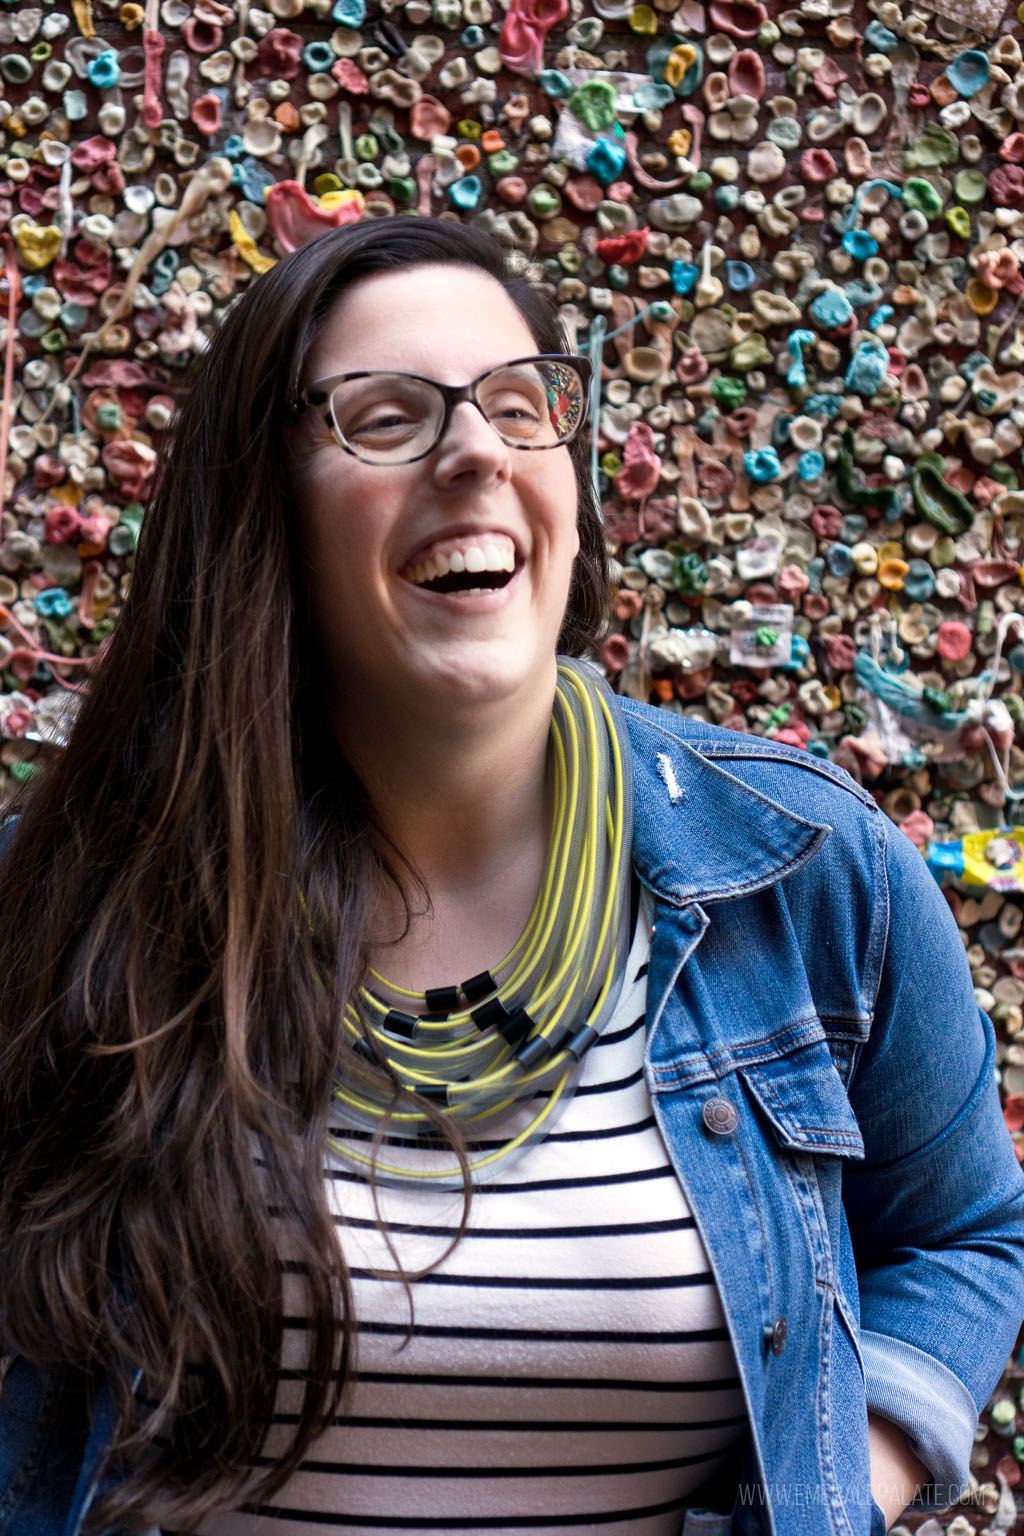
[(796, 779), (720, 814)]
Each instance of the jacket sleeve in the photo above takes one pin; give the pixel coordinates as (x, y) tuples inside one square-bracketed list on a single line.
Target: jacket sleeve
[(936, 1210)]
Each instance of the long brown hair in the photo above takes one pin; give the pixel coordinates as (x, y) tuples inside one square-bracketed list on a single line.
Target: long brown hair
[(170, 1016)]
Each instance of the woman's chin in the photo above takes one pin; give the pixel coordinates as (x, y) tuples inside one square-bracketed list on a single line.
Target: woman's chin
[(482, 675)]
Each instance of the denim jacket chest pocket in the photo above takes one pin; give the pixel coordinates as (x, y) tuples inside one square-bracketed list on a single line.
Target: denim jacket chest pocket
[(722, 1027), (801, 1097)]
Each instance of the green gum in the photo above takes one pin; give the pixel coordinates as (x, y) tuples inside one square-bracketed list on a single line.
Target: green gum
[(851, 487), (936, 500), (959, 221)]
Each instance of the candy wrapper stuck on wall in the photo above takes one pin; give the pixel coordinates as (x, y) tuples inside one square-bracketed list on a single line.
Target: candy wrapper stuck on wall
[(764, 638), (993, 859)]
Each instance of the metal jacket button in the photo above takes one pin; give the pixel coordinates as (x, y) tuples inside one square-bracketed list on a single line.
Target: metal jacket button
[(720, 1117), (777, 1335)]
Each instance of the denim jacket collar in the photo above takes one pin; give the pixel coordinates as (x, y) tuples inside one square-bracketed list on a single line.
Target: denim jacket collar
[(731, 839)]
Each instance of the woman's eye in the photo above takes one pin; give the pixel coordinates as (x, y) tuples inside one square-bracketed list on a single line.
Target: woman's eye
[(390, 421), (517, 407)]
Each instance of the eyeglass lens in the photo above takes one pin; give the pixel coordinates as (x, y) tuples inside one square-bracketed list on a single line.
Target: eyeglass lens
[(387, 418)]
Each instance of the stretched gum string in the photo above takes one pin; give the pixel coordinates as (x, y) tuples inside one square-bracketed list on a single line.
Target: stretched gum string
[(13, 286), (7, 617), (153, 47), (91, 573), (642, 176), (13, 290), (199, 189)]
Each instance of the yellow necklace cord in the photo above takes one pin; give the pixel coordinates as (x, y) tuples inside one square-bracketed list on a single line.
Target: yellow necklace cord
[(521, 1038), (418, 1075), (545, 907), (452, 1177), (556, 855), (537, 931)]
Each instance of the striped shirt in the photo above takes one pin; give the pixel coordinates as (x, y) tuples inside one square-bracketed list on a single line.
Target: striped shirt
[(568, 1367)]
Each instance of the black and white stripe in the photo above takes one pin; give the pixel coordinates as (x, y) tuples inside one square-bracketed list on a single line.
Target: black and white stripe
[(568, 1367)]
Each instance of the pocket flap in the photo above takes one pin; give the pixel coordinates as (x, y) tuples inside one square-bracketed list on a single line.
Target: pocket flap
[(804, 1099)]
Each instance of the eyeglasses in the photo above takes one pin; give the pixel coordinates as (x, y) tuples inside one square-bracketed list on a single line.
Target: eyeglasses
[(395, 418)]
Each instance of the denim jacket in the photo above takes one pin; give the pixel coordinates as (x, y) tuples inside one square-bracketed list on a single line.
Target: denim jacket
[(824, 1082)]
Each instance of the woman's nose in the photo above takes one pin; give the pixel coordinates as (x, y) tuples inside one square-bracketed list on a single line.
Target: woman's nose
[(470, 444)]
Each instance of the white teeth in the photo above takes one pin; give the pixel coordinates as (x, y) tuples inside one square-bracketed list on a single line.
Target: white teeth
[(488, 555)]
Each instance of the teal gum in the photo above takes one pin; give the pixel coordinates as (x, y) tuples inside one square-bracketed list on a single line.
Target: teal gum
[(553, 83), (104, 71), (15, 68), (919, 582), (879, 38), (859, 292), (762, 465), (164, 267), (780, 429), (740, 276), (318, 57), (859, 244), (839, 560), (466, 192), (796, 376), (73, 316), (811, 465), (868, 368), (832, 308), (968, 72), (684, 276), (652, 96), (53, 602), (606, 160)]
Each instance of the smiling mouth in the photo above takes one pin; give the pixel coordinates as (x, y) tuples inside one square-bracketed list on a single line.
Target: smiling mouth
[(465, 565), (466, 581)]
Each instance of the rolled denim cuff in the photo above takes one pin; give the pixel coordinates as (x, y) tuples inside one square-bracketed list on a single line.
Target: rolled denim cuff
[(930, 1405)]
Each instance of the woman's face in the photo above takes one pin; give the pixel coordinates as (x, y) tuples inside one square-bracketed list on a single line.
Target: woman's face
[(376, 537)]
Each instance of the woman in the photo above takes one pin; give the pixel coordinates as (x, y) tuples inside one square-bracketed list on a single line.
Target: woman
[(328, 771)]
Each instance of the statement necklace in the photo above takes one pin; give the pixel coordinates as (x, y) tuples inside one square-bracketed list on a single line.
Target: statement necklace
[(508, 1043)]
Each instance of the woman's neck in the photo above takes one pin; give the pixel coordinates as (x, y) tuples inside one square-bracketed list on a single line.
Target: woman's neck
[(470, 810)]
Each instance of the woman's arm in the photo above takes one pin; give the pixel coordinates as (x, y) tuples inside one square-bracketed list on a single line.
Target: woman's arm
[(936, 1209), (896, 1473)]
